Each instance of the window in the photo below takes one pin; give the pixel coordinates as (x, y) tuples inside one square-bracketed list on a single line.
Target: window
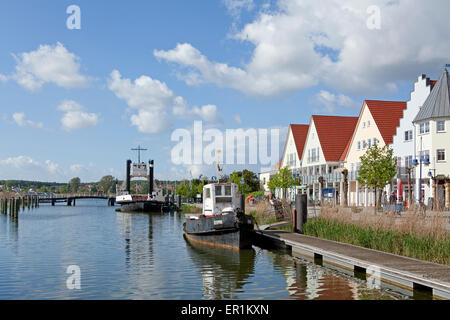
[(425, 127), (228, 190), (208, 193), (359, 145), (440, 155), (368, 123), (424, 155), (218, 190), (408, 161), (364, 144), (364, 124), (369, 143), (375, 141), (408, 135), (440, 126)]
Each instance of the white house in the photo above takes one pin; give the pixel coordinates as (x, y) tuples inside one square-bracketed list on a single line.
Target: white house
[(325, 143), (376, 124), (432, 142), (403, 141)]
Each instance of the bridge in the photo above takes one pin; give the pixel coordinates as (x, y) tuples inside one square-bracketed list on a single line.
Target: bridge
[(71, 198)]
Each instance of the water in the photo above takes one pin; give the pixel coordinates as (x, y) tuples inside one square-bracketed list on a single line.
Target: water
[(145, 256)]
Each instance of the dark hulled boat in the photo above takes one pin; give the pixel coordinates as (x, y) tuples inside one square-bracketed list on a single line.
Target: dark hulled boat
[(154, 201), (223, 222)]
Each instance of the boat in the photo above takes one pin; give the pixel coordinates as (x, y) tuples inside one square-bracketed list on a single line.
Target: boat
[(153, 201), (223, 222)]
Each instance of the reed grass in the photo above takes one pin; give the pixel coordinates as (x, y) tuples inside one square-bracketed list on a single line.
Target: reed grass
[(433, 248)]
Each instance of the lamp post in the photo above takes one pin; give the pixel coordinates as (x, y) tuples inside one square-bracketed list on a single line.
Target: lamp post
[(433, 176), (422, 160), (295, 175)]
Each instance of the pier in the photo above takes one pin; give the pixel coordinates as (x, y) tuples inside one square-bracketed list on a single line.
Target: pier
[(407, 274)]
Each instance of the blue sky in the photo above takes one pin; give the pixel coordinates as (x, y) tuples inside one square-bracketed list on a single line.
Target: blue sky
[(256, 64)]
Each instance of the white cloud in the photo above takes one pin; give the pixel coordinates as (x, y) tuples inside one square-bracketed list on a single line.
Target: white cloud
[(235, 7), (330, 101), (74, 116), (302, 43), (3, 78), (19, 118), (237, 119), (154, 101), (48, 64), (26, 168)]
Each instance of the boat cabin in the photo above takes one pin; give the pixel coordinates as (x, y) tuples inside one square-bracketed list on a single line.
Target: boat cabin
[(220, 198)]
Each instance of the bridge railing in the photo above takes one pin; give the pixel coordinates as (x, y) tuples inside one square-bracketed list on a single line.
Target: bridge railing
[(77, 195)]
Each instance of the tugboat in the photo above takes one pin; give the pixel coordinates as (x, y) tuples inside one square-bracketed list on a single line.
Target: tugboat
[(223, 222), (154, 201)]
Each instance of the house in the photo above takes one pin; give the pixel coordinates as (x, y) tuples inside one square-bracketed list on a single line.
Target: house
[(403, 141), (432, 143), (326, 141), (376, 125), (291, 157)]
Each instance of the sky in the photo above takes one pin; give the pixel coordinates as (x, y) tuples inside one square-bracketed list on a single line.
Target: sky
[(78, 91)]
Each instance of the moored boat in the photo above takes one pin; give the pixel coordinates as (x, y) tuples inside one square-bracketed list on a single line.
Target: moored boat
[(223, 222), (153, 201)]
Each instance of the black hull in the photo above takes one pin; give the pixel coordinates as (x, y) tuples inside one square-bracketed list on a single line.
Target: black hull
[(231, 233), (143, 206)]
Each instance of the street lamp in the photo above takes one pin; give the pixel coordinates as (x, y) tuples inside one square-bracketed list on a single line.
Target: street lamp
[(425, 161), (433, 176), (295, 175)]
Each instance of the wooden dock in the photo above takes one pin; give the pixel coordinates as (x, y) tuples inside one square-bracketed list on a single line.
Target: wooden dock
[(393, 271)]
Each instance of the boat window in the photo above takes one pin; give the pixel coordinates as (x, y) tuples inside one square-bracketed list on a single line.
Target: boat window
[(228, 190), (218, 190), (208, 193)]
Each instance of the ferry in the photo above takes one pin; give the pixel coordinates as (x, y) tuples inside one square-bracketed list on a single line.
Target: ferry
[(153, 201), (223, 222)]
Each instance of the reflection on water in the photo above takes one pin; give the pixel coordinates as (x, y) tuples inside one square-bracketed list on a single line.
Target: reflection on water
[(224, 272), (145, 256)]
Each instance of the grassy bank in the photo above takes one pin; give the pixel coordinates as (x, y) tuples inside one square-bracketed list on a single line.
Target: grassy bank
[(430, 248), (187, 208)]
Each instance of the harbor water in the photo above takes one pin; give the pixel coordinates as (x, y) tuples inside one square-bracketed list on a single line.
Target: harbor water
[(120, 255)]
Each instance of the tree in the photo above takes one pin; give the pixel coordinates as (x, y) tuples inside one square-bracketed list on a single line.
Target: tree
[(282, 180), (378, 168), (74, 184), (107, 184), (251, 182)]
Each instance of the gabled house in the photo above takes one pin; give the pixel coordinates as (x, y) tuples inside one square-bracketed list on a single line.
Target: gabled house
[(292, 153), (403, 141), (326, 140), (377, 124), (432, 143)]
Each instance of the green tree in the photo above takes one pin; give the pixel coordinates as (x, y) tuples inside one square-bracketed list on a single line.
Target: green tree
[(378, 168), (282, 180), (74, 184), (251, 181), (107, 184)]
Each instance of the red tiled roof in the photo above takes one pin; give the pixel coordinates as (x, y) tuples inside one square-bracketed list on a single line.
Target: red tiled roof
[(433, 82), (299, 132), (334, 133), (387, 115)]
